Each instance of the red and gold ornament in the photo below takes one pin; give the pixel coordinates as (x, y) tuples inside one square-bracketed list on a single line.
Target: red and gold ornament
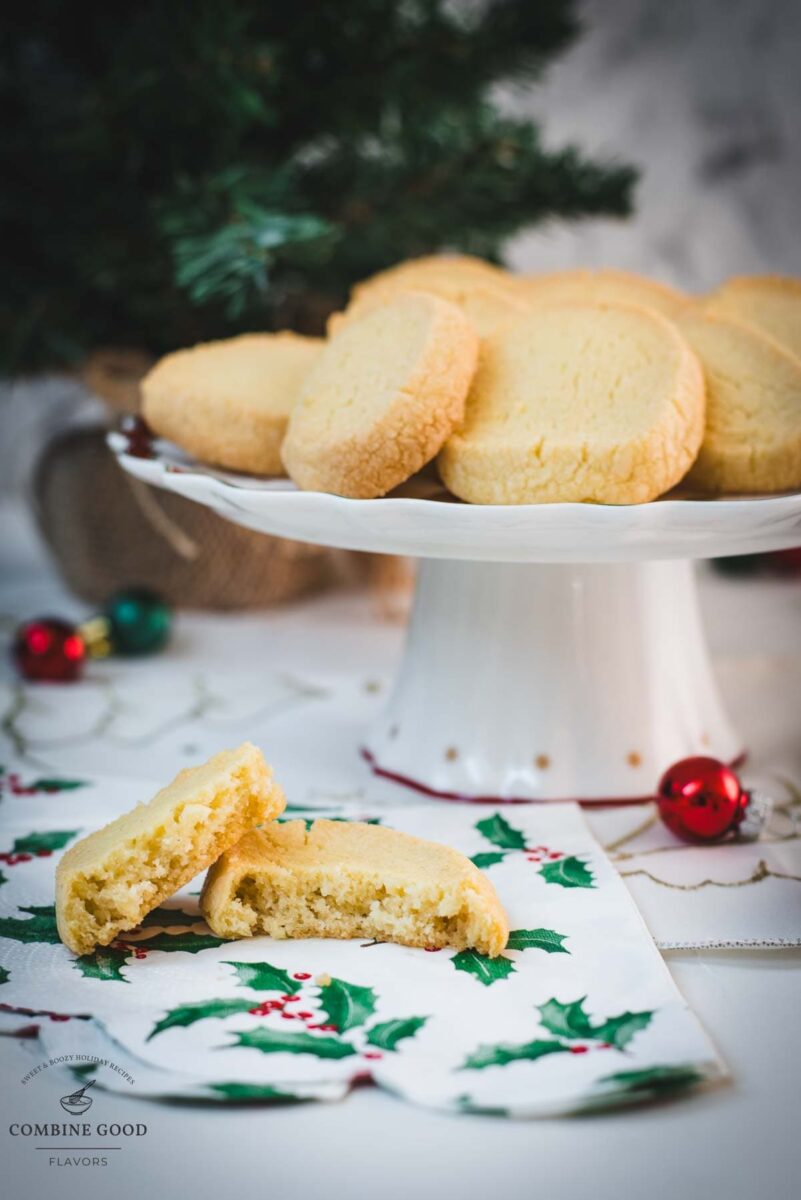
[(133, 622), (702, 800)]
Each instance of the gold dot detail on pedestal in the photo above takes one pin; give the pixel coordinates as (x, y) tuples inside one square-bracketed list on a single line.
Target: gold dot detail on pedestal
[(634, 759), (451, 754), (542, 761)]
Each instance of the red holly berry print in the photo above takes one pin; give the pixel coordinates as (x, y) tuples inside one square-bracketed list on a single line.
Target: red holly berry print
[(39, 1012), (347, 1009), (38, 845), (509, 840), (14, 784)]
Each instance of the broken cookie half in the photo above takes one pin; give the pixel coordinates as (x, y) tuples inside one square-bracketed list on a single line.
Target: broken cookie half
[(342, 879), (109, 881)]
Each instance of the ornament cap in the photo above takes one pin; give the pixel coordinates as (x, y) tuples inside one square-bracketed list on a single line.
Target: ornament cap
[(756, 815), (96, 634)]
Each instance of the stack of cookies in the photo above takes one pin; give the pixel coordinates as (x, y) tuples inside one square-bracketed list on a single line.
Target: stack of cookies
[(584, 386)]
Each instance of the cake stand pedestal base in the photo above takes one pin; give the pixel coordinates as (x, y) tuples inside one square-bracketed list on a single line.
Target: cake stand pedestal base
[(548, 682)]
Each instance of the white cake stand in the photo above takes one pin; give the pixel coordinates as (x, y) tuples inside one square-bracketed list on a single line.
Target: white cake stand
[(554, 651)]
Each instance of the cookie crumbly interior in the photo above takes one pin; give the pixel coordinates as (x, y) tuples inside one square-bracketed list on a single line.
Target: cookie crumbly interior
[(351, 880), (110, 880)]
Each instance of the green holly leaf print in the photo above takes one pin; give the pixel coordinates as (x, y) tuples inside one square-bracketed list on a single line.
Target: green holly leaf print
[(618, 1031), (192, 943), (654, 1080), (201, 1010), (275, 1041), (466, 1104), (166, 918), (105, 964), (485, 970), (53, 839), (568, 872), (263, 977), (2, 879), (346, 1005), (503, 1053), (566, 1020), (488, 858), (648, 1083), (254, 1091), (496, 829), (387, 1034), (58, 785), (571, 1021), (5, 975), (537, 939), (39, 927)]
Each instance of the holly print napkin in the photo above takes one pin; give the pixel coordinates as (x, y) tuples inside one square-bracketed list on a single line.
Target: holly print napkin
[(578, 1013)]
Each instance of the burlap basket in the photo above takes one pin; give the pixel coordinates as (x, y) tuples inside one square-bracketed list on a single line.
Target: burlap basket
[(107, 530)]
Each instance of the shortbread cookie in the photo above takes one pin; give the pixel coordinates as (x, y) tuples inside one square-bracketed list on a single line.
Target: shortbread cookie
[(604, 286), (485, 305), (435, 273), (229, 402), (386, 392), (110, 880), (342, 879), (599, 403), (771, 303), (752, 441)]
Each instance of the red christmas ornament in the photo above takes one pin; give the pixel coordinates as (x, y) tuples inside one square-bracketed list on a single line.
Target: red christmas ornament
[(48, 651), (138, 437), (702, 800)]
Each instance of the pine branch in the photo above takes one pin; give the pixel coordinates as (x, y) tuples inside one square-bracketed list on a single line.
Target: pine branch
[(175, 173)]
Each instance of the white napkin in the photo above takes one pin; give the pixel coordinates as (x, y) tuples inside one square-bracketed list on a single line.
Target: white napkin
[(579, 1013)]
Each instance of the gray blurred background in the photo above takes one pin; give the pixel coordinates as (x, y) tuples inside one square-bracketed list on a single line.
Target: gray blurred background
[(703, 95)]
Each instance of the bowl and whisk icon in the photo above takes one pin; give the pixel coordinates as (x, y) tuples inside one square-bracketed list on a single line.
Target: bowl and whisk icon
[(78, 1102)]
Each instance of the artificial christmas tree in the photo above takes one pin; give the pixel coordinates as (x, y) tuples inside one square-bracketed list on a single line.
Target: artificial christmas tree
[(178, 173), (181, 172)]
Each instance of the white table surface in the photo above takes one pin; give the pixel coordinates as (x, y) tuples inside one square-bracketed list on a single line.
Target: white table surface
[(737, 1142)]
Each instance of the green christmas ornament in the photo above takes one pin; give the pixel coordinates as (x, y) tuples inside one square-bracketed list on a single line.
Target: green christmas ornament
[(140, 621)]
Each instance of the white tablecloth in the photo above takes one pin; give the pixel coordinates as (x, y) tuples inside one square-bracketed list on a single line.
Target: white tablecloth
[(734, 1141)]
